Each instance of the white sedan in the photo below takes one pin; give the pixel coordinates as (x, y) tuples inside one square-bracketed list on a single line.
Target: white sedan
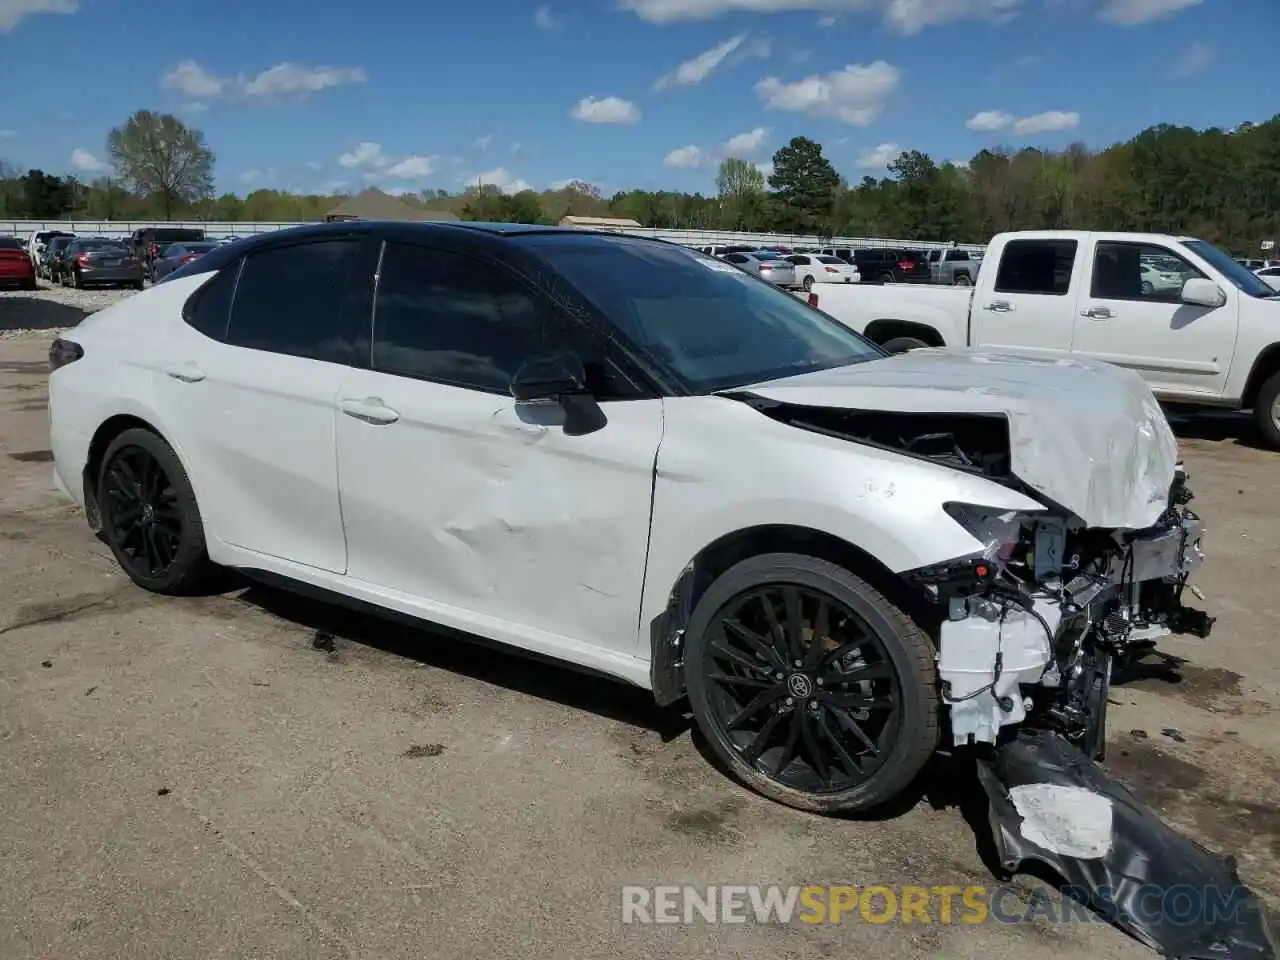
[(1270, 276), (814, 268), (641, 461), (1160, 283)]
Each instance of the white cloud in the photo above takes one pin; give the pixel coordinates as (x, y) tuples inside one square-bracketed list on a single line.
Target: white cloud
[(1047, 122), (413, 167), (903, 16), (746, 144), (605, 110), (828, 21), (278, 84), (700, 67), (258, 176), (366, 156), (561, 184), (13, 12), (501, 178), (878, 157), (546, 20), (988, 120), (686, 158), (1128, 13), (855, 95), (766, 169), (83, 161), (1194, 59), (399, 191), (482, 143)]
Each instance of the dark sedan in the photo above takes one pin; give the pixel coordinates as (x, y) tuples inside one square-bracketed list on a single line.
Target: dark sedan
[(53, 260), (100, 262), (177, 255)]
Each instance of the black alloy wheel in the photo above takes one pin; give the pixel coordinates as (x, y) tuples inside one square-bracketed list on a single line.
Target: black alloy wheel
[(149, 514), (810, 685)]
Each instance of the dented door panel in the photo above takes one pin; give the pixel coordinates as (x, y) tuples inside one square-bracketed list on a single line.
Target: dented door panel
[(471, 501)]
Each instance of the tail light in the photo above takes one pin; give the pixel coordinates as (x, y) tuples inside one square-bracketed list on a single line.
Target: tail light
[(906, 265), (155, 250), (832, 270), (812, 300), (83, 259), (189, 257), (63, 352)]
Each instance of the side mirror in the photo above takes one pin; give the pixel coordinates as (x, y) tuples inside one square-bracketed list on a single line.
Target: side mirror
[(1200, 292), (560, 378)]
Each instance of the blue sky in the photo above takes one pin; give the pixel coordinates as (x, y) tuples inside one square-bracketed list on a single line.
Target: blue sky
[(309, 95)]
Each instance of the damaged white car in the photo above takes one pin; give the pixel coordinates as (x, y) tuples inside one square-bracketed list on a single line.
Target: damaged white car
[(633, 458)]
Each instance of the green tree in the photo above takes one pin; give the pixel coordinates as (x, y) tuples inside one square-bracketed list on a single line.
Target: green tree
[(157, 155), (806, 184), (742, 195)]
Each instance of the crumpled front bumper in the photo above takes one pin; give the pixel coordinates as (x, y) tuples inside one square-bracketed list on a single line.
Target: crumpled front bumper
[(1045, 650)]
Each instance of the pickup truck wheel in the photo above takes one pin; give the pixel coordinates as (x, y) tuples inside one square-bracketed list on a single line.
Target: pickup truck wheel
[(903, 344), (962, 280), (1266, 411), (809, 685)]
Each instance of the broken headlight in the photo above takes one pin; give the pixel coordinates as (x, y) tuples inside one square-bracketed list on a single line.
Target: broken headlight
[(999, 531)]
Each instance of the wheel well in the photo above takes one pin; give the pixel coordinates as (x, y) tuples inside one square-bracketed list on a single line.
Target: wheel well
[(882, 331), (666, 631), (1268, 362), (110, 428)]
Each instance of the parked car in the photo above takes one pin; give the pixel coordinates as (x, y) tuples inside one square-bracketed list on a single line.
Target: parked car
[(101, 262), (147, 242), (844, 253), (766, 265), (953, 266), (891, 265), (53, 259), (819, 268), (1160, 281), (36, 245), (177, 255), (16, 268), (631, 457), (1213, 340), (1270, 276)]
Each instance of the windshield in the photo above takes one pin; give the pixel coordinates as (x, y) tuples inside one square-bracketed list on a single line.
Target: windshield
[(1241, 277), (100, 245), (711, 325)]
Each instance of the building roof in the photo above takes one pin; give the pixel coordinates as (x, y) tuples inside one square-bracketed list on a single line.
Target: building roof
[(598, 222), (373, 204)]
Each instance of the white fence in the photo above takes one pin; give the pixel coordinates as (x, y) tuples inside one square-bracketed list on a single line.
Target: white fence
[(692, 238)]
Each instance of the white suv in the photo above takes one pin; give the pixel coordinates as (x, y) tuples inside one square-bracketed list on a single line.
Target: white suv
[(641, 461)]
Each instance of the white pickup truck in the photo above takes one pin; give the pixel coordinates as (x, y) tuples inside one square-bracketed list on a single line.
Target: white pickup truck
[(1201, 329)]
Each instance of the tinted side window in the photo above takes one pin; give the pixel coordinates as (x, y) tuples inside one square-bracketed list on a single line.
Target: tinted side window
[(209, 308), (958, 255), (1130, 271), (445, 317), (735, 258), (291, 300), (1036, 266)]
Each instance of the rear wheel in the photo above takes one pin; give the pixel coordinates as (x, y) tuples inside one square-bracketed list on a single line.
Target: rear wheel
[(1147, 288), (811, 686), (886, 278), (903, 344), (962, 280), (808, 283), (150, 518), (76, 280), (1266, 412)]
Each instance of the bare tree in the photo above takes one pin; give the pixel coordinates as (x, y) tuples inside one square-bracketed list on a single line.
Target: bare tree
[(156, 154)]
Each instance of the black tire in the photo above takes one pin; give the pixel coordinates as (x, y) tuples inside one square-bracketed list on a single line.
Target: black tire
[(903, 344), (807, 284), (1266, 411), (139, 285), (887, 278), (1148, 288), (76, 280), (962, 280), (174, 514), (904, 662)]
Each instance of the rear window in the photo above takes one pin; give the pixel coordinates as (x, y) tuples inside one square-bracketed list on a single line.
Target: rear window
[(9, 243), (99, 245), (830, 260), (174, 233), (767, 255)]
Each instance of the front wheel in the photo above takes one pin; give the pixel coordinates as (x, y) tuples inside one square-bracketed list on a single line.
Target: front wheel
[(1148, 288), (810, 685), (150, 518), (807, 284), (1266, 412)]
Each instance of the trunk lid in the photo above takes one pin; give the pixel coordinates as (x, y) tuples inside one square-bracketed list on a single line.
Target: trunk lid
[(1087, 435)]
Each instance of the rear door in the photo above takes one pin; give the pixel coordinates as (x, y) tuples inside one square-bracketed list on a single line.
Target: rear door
[(253, 397), (1025, 304)]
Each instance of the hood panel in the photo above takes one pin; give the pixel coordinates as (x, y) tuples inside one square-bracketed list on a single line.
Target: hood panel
[(1087, 435)]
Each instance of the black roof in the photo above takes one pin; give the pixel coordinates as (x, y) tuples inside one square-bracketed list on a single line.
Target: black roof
[(474, 234)]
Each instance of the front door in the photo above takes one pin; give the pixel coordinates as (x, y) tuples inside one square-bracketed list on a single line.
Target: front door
[(1027, 307), (1131, 313), (456, 496)]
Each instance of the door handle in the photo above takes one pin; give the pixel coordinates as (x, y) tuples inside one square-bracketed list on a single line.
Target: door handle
[(1097, 313), (187, 373), (1000, 306), (370, 410)]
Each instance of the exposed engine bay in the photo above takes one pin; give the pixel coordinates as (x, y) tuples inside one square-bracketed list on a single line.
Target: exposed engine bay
[(1034, 624)]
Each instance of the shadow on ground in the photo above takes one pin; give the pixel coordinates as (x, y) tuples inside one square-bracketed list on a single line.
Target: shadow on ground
[(1217, 426), (34, 313)]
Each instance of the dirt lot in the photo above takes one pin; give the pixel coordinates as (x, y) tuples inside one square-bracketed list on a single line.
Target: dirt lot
[(193, 779)]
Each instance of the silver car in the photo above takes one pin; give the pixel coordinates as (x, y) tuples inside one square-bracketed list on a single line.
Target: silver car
[(766, 265)]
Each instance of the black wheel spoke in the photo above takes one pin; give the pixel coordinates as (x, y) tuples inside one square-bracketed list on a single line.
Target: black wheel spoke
[(757, 643), (722, 649), (141, 512), (761, 700), (850, 765), (821, 633), (751, 752), (845, 719), (733, 680), (795, 624), (852, 700), (839, 653), (817, 758), (789, 748)]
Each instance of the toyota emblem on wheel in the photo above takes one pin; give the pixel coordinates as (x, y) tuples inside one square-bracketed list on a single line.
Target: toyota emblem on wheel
[(800, 686)]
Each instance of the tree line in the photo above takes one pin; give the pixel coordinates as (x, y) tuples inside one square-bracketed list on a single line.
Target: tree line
[(1221, 185)]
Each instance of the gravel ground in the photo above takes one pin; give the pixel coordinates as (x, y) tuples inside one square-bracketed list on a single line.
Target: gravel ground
[(51, 309)]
